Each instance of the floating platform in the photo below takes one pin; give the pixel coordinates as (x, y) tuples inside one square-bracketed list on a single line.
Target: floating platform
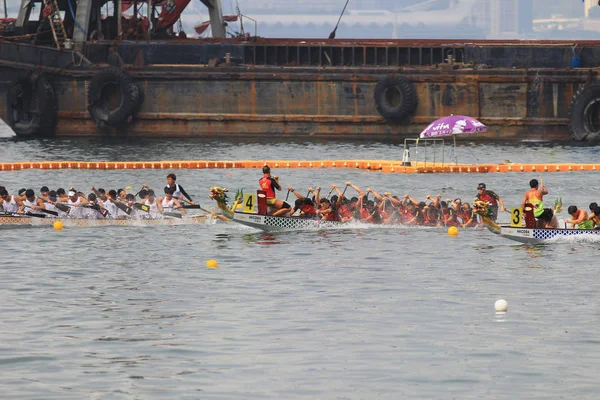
[(391, 166)]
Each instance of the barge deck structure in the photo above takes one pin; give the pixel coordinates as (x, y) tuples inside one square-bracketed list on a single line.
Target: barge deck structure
[(155, 85)]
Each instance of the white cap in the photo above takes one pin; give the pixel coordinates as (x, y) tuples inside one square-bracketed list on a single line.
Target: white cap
[(71, 193)]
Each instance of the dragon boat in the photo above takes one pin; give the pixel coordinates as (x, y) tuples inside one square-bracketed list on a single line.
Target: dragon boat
[(529, 234), (25, 221), (254, 214)]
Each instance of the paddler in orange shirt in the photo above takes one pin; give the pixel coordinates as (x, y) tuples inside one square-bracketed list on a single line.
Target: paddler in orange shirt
[(269, 184)]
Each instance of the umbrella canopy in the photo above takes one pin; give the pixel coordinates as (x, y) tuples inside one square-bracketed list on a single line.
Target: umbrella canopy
[(452, 125)]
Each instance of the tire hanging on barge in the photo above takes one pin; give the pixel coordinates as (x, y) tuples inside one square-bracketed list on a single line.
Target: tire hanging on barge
[(113, 97), (31, 106), (584, 113), (395, 98)]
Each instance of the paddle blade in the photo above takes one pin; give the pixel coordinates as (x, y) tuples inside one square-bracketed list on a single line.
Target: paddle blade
[(123, 207), (29, 214), (191, 206), (50, 212), (62, 207), (172, 214), (142, 207), (101, 210)]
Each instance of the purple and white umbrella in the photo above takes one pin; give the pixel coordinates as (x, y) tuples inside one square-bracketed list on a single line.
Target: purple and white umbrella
[(452, 125)]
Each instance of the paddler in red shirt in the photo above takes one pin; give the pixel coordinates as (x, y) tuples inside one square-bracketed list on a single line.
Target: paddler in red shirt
[(269, 184), (491, 198)]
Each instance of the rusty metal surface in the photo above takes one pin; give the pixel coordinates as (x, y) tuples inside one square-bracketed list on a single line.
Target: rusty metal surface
[(327, 102)]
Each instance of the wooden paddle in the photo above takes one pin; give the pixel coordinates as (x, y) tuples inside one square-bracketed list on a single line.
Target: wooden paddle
[(193, 207), (60, 206), (49, 212), (103, 211), (123, 207), (30, 214), (141, 207)]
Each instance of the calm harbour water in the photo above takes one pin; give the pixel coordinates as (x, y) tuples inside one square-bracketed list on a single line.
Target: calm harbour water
[(362, 312)]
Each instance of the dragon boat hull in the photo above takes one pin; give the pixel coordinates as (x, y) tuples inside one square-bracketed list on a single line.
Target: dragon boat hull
[(270, 223), (16, 221), (540, 236)]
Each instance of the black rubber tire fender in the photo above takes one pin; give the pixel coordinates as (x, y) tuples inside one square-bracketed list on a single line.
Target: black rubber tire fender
[(31, 106), (395, 98), (584, 113), (98, 106)]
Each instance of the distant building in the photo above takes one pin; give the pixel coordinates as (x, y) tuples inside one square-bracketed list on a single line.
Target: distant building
[(510, 18)]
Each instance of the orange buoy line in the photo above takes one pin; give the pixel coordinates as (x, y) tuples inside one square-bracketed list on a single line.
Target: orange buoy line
[(372, 165)]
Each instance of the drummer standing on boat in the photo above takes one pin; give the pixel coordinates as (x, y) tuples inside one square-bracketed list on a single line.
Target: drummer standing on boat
[(535, 197), (491, 198)]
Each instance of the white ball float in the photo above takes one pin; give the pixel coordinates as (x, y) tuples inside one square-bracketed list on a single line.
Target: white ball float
[(501, 305)]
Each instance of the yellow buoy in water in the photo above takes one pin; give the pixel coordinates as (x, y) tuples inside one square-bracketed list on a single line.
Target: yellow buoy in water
[(58, 225), (453, 231), (212, 264)]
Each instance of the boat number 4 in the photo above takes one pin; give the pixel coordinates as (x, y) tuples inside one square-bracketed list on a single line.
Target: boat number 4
[(249, 204), (516, 220)]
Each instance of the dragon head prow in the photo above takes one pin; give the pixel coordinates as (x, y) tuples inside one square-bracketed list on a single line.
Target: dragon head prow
[(482, 209), (219, 194)]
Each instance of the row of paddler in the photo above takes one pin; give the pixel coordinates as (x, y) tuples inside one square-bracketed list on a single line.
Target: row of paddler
[(373, 165)]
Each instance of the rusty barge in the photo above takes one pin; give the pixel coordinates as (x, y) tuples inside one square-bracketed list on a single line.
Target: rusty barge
[(72, 72)]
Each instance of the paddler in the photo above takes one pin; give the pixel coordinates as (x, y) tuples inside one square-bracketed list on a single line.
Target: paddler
[(579, 218), (179, 192), (10, 204), (269, 184), (169, 203), (31, 203), (109, 203), (44, 193), (491, 198), (535, 197), (75, 201), (595, 217)]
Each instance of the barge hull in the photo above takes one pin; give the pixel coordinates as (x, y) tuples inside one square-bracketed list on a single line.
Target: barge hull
[(279, 97)]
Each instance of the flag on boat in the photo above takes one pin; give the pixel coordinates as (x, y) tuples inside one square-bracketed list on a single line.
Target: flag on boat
[(452, 125)]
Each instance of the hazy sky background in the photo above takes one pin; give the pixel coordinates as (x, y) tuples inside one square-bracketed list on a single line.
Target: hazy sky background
[(476, 19)]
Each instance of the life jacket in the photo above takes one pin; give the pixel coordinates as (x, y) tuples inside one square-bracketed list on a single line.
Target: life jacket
[(406, 215), (266, 184), (364, 213), (307, 210), (449, 218), (331, 216)]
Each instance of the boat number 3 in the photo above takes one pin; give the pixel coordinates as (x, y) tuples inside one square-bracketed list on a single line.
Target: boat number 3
[(516, 219)]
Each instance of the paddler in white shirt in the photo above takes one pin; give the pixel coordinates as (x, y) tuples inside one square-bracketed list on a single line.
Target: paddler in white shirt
[(155, 207), (50, 204), (170, 203), (109, 204), (92, 211), (31, 204), (10, 204), (75, 201)]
